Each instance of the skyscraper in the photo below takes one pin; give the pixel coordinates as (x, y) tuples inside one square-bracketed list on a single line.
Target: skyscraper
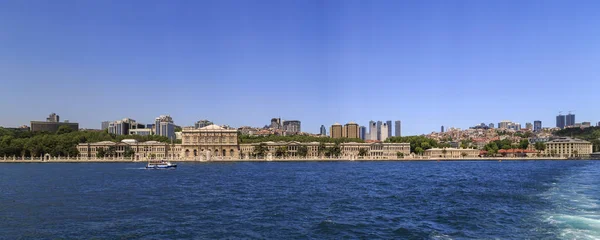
[(291, 126), (389, 124), (442, 130), (537, 125), (398, 128), (384, 131), (491, 125), (378, 130), (350, 130), (105, 125), (164, 126), (372, 130), (323, 130), (560, 121), (363, 133), (336, 130), (570, 120), (276, 123)]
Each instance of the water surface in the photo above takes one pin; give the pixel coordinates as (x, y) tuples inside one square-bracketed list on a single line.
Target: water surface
[(302, 200)]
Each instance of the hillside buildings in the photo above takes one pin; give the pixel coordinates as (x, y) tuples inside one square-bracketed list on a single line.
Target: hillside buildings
[(52, 124)]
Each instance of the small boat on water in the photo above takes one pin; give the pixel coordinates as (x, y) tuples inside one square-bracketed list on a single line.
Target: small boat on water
[(160, 165)]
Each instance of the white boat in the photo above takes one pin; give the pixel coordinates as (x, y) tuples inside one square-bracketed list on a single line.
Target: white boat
[(160, 165)]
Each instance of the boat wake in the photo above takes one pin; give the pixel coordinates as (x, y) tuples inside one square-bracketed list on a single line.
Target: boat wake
[(576, 210)]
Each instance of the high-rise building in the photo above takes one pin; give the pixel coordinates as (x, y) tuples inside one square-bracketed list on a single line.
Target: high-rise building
[(276, 123), (323, 131), (350, 130), (529, 126), (598, 124), (379, 123), (398, 128), (291, 126), (164, 126), (372, 130), (389, 123), (384, 131), (363, 132), (560, 121), (121, 127), (105, 125), (442, 130), (491, 125), (336, 130), (570, 120), (202, 123), (53, 118), (537, 125), (586, 124)]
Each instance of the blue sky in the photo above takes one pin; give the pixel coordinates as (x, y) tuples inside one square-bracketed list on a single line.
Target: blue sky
[(427, 63)]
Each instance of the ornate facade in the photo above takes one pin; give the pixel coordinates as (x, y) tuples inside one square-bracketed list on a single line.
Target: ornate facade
[(210, 142), (143, 150), (348, 150)]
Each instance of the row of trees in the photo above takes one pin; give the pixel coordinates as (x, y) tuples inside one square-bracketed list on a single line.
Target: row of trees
[(418, 144), (15, 142), (295, 138)]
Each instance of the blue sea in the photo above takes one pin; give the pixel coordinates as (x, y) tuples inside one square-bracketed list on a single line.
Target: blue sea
[(302, 200)]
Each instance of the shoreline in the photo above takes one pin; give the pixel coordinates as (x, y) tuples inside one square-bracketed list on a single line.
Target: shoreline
[(292, 160)]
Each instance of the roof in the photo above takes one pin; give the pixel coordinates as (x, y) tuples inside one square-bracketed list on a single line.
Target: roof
[(212, 127), (567, 140)]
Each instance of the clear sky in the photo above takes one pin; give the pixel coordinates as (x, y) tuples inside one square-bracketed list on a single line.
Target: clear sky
[(427, 63)]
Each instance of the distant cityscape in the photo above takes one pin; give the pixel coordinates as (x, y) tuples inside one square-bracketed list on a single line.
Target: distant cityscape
[(376, 140), (164, 125)]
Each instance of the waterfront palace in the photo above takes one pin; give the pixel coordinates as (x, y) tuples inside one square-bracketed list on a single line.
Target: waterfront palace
[(216, 143)]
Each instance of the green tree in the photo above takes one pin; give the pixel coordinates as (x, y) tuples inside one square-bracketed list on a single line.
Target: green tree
[(64, 129), (321, 149), (523, 144), (444, 151), (152, 155), (260, 150), (399, 155), (302, 151), (363, 152), (281, 151), (540, 146), (100, 153), (464, 154), (419, 150), (128, 152)]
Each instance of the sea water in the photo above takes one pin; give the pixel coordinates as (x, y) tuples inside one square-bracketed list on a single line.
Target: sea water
[(302, 200)]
